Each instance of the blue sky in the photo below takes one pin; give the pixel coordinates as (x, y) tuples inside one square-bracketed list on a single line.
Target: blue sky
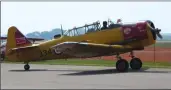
[(44, 16)]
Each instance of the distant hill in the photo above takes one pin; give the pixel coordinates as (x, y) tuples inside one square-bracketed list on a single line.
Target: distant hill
[(45, 34)]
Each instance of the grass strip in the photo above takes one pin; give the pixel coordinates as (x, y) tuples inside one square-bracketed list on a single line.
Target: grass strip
[(92, 62)]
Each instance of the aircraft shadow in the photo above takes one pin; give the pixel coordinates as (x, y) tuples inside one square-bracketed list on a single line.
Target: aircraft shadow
[(93, 72), (105, 71), (34, 70), (113, 71)]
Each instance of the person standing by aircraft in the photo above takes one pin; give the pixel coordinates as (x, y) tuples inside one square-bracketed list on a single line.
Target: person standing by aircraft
[(3, 48), (3, 55)]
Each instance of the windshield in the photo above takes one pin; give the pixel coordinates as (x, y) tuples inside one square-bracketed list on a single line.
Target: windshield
[(83, 30)]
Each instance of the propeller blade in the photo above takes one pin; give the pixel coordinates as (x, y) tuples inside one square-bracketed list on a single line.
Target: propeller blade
[(158, 33)]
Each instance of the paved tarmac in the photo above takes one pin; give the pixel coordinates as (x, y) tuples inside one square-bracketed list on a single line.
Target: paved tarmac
[(81, 77)]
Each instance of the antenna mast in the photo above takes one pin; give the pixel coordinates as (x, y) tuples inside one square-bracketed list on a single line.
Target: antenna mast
[(61, 30)]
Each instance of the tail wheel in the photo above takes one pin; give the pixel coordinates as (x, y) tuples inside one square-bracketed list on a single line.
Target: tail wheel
[(27, 67), (122, 65), (136, 64)]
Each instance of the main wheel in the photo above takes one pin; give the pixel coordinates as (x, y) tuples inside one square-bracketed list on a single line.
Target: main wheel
[(136, 64), (122, 65), (27, 67)]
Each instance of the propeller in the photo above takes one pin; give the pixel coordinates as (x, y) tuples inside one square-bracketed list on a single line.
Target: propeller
[(156, 31)]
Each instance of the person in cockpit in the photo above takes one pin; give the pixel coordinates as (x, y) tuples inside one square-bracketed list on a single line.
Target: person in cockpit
[(104, 25)]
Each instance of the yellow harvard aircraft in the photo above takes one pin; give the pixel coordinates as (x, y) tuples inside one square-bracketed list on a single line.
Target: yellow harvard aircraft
[(84, 42)]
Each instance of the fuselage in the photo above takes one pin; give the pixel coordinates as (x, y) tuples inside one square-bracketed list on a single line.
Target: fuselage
[(107, 36)]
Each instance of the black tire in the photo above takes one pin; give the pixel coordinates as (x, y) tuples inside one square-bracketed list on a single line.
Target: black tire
[(136, 64), (122, 65), (26, 67)]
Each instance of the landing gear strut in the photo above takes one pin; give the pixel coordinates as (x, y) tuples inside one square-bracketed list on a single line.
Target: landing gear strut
[(135, 63), (26, 67), (121, 65)]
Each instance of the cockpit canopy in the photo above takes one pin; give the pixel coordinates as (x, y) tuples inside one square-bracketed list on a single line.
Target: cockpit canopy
[(83, 29)]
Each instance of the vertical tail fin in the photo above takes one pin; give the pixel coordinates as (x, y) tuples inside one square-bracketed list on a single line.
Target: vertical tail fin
[(16, 39)]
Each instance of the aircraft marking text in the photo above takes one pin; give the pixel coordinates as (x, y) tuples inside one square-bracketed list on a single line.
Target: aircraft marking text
[(45, 52)]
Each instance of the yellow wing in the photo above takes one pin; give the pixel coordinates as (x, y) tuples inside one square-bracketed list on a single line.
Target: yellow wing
[(77, 49)]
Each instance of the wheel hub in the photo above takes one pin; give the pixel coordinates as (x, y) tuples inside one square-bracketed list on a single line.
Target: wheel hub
[(121, 65)]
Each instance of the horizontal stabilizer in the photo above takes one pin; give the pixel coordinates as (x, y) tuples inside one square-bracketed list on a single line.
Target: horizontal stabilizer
[(20, 49)]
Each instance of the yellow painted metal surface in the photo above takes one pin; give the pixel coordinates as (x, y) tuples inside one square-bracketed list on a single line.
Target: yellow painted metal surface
[(43, 51)]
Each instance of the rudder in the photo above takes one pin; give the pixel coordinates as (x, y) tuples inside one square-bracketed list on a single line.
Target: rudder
[(16, 39)]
